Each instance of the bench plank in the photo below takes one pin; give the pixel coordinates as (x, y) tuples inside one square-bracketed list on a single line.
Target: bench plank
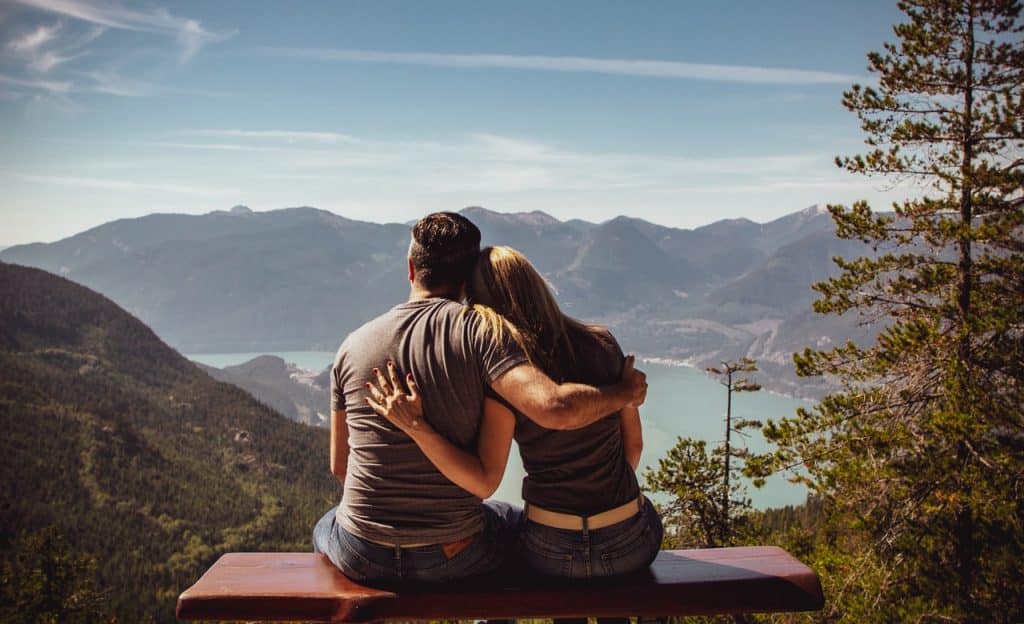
[(306, 586)]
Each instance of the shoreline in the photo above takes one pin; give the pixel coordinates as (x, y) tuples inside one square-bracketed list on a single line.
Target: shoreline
[(686, 363), (305, 373), (690, 364)]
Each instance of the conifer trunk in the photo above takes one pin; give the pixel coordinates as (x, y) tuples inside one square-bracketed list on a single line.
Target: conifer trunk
[(728, 450), (964, 547)]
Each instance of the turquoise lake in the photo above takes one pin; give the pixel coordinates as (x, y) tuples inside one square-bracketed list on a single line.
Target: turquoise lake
[(681, 401)]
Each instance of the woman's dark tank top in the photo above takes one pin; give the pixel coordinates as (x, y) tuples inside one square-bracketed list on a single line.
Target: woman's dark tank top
[(584, 471)]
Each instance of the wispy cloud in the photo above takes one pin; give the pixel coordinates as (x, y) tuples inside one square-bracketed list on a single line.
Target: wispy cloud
[(112, 83), (211, 147), (41, 49), (492, 163), (47, 60), (189, 33), (106, 83), (48, 86), (624, 67), (35, 39), (835, 183), (288, 136), (126, 185)]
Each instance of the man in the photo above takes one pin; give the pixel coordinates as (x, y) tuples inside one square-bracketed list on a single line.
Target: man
[(400, 520)]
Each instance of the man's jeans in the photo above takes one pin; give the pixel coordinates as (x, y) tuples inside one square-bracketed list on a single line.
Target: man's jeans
[(621, 548), (388, 566)]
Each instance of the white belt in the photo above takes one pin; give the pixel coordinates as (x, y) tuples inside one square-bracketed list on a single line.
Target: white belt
[(559, 520)]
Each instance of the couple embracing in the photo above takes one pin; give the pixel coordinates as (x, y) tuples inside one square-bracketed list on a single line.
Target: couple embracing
[(417, 464)]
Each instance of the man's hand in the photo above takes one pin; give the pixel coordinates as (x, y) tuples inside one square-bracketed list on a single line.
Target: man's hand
[(635, 381)]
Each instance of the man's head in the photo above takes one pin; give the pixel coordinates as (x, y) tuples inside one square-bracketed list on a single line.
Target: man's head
[(443, 251)]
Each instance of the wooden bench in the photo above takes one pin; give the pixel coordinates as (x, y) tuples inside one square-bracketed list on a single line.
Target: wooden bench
[(307, 587)]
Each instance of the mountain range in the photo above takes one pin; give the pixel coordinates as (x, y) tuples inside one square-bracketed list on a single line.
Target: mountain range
[(302, 278)]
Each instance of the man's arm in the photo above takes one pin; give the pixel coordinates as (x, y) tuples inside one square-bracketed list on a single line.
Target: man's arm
[(568, 405), (339, 445)]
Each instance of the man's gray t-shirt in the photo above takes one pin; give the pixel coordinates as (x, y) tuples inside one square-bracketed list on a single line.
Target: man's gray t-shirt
[(393, 494)]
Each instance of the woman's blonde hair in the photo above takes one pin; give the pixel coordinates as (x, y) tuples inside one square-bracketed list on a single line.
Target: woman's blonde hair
[(512, 297)]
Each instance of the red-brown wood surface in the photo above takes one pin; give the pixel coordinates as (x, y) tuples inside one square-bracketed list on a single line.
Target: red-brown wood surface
[(304, 586)]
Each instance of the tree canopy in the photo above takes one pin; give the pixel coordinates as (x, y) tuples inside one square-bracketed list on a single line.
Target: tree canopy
[(919, 457)]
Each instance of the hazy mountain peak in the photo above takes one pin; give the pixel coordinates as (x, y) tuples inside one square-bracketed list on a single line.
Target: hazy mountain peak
[(238, 210), (534, 217), (737, 221), (815, 209), (623, 221), (261, 366), (539, 217), (470, 211)]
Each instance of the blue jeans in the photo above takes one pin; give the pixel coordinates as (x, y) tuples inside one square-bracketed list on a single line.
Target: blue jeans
[(621, 548), (388, 566)]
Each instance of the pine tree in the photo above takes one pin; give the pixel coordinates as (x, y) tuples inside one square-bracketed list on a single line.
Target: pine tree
[(708, 503), (919, 456), (727, 377)]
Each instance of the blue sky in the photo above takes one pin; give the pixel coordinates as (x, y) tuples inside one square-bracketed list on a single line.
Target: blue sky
[(681, 113)]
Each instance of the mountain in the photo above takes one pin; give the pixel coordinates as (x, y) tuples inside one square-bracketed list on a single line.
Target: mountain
[(780, 285), (617, 269), (134, 454), (717, 251), (302, 278), (275, 280), (296, 393)]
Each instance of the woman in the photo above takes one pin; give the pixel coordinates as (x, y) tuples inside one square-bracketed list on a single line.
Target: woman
[(585, 516)]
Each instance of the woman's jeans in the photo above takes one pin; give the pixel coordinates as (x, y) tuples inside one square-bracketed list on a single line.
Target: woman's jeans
[(620, 548), (376, 564)]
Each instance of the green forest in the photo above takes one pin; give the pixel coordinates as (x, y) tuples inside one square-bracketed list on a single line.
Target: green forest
[(127, 470)]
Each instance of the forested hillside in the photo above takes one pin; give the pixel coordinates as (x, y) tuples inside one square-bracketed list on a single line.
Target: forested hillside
[(134, 454)]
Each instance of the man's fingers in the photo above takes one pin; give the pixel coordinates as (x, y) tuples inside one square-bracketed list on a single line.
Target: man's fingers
[(393, 375), (414, 390), (637, 379), (628, 366), (377, 394), (642, 377), (377, 407), (382, 381)]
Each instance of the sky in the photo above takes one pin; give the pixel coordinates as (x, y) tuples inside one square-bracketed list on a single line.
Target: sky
[(681, 112)]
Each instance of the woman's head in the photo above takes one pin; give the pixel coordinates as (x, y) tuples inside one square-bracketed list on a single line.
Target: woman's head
[(505, 281)]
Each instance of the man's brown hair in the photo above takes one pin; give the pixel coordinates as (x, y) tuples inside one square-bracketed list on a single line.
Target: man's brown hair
[(445, 247)]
